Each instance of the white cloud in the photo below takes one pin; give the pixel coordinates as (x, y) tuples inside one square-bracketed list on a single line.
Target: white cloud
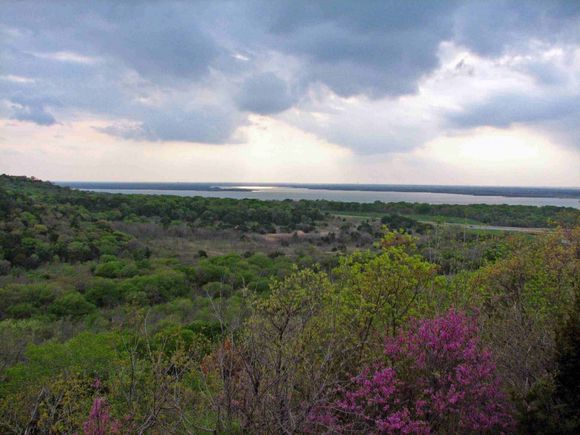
[(16, 79), (68, 56)]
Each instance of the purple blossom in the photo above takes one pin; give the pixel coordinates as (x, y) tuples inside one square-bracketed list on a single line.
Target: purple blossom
[(437, 377), (100, 421)]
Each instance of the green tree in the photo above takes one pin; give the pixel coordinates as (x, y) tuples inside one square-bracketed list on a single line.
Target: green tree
[(71, 304)]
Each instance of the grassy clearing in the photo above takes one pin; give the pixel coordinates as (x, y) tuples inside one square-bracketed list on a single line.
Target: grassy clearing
[(418, 217), (444, 219), (484, 232), (356, 214)]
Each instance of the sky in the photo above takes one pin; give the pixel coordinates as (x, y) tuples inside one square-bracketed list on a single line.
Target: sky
[(482, 92)]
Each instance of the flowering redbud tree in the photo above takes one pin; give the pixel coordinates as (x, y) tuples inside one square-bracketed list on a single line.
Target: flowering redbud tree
[(100, 421), (437, 378)]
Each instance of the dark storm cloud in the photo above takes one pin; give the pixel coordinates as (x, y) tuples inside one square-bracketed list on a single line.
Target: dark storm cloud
[(159, 40), (491, 27), (264, 94), (192, 71), (504, 110), (379, 48)]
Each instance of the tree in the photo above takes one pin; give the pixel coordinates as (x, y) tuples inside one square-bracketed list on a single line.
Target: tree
[(383, 290), (436, 377), (523, 298), (99, 421), (288, 355), (71, 304)]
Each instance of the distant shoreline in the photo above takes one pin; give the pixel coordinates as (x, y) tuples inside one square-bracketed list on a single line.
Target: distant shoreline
[(522, 192)]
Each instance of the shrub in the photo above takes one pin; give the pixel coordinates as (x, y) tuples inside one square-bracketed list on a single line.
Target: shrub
[(22, 310), (71, 304), (103, 293), (111, 269)]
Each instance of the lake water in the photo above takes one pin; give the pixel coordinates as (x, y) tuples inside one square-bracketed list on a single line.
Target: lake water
[(280, 193)]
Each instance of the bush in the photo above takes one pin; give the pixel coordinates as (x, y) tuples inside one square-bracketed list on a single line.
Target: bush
[(22, 311), (158, 288), (103, 293), (109, 269), (71, 304)]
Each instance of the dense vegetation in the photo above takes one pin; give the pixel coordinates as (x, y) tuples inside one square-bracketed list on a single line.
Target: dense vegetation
[(160, 314)]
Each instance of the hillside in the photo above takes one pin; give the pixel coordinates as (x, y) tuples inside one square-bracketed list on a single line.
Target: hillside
[(154, 314)]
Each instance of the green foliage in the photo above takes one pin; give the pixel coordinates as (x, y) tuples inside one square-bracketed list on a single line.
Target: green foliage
[(383, 290), (551, 406), (37, 297), (116, 269), (103, 292), (397, 222), (157, 288), (175, 337), (211, 330), (87, 354), (71, 304), (237, 271), (539, 275), (500, 214), (217, 289)]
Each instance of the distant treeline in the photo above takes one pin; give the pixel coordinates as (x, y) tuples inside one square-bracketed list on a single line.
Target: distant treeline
[(247, 214), (256, 215), (500, 215)]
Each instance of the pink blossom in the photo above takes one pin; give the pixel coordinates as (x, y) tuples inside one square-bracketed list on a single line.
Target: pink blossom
[(100, 421), (437, 377)]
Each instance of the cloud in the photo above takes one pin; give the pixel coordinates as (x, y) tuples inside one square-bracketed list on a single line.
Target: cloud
[(67, 56), (382, 48), (264, 94), (490, 28), (16, 79), (367, 126), (378, 76), (504, 110), (540, 90), (159, 40), (31, 110), (211, 126), (38, 115), (144, 62)]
